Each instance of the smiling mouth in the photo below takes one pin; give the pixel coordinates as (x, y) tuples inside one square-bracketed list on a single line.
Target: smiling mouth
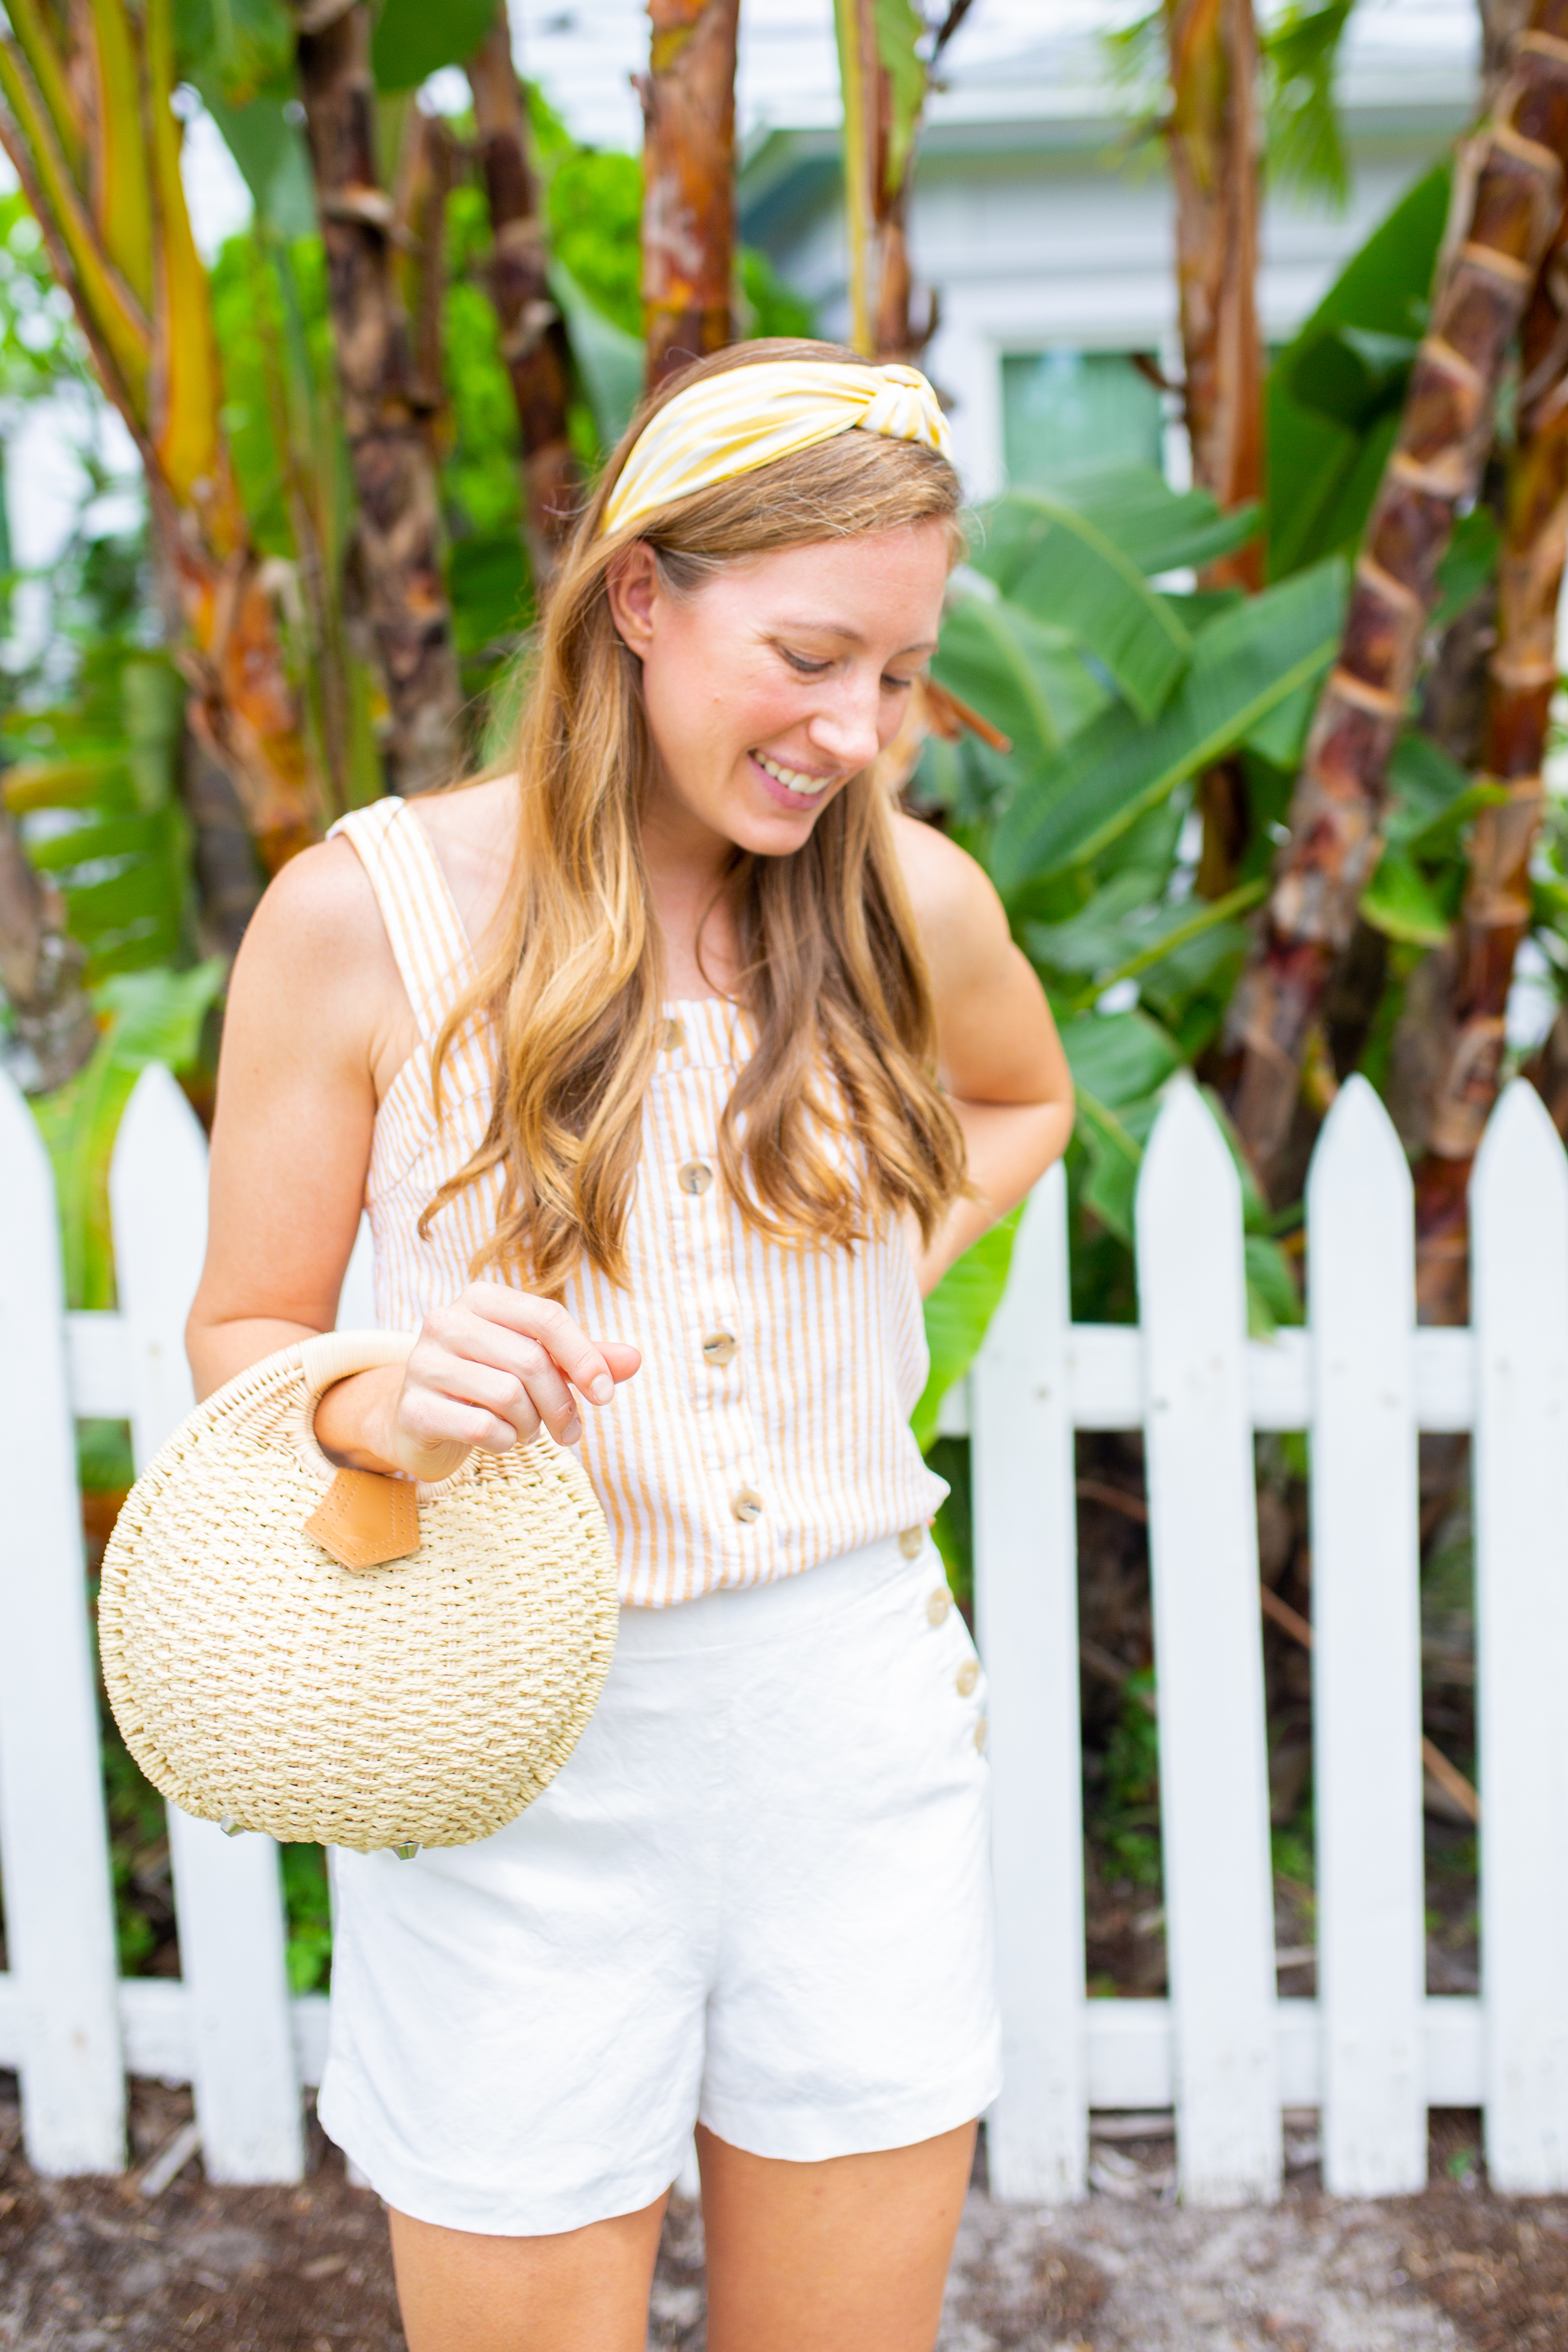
[(791, 779)]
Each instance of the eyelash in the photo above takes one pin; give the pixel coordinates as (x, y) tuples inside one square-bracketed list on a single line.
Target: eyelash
[(819, 669)]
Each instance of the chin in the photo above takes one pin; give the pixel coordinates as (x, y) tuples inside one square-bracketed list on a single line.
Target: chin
[(767, 832)]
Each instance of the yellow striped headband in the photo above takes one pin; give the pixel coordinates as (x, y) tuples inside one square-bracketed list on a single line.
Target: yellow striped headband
[(749, 416)]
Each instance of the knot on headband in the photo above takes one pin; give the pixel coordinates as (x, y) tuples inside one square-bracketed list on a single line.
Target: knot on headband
[(751, 416)]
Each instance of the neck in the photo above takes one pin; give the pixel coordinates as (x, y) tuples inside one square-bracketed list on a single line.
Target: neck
[(687, 864)]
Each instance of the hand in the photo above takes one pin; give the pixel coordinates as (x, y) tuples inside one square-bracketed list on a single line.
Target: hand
[(488, 1371)]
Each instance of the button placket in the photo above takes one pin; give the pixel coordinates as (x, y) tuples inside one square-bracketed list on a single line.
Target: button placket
[(703, 1258)]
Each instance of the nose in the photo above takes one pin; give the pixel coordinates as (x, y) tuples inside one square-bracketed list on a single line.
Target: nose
[(845, 728)]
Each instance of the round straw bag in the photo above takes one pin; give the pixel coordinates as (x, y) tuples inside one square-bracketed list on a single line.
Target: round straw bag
[(345, 1659)]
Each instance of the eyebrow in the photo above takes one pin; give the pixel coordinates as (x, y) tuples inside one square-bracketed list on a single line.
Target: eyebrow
[(787, 627)]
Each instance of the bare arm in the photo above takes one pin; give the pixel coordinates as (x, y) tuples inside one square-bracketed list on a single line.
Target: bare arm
[(296, 1104), (1001, 1059), (318, 1023)]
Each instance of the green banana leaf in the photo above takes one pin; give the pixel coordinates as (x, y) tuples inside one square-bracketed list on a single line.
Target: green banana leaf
[(151, 1017), (1121, 934), (1025, 678), (412, 40), (609, 361), (957, 1315), (93, 787), (1244, 663), (1334, 392), (1158, 528), (1063, 562)]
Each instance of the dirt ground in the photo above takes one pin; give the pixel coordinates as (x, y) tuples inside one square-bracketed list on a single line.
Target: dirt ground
[(95, 2265)]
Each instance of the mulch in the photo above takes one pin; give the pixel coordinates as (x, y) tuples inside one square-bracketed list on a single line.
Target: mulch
[(90, 2265), (1498, 2266), (87, 2264)]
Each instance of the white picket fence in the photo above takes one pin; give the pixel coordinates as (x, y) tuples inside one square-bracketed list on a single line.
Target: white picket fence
[(1371, 2052)]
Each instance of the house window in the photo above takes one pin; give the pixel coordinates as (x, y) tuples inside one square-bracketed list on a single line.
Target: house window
[(1065, 410)]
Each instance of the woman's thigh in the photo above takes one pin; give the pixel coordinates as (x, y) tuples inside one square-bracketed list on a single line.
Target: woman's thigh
[(583, 2291), (846, 2255)]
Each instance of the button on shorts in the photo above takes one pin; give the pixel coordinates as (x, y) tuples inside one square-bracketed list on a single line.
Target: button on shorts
[(757, 1895)]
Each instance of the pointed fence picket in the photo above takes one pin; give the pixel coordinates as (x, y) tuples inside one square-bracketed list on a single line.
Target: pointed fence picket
[(1025, 1522), (54, 1847), (1203, 1570), (1366, 1624), (1519, 1281), (1371, 2052), (228, 1892)]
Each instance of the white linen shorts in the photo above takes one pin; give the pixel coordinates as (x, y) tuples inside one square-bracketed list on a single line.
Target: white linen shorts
[(757, 1895)]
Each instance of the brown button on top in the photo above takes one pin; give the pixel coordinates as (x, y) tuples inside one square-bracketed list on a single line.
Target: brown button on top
[(718, 1346), (968, 1676), (747, 1506), (695, 1177), (912, 1541), (671, 1037), (939, 1604)]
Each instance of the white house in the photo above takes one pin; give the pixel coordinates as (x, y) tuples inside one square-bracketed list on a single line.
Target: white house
[(1048, 241)]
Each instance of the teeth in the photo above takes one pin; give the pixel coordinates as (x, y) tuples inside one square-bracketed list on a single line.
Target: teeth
[(791, 778)]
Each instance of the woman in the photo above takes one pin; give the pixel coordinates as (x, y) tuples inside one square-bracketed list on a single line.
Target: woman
[(633, 1054)]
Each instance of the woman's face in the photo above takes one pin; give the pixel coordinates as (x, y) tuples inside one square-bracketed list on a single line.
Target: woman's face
[(772, 684)]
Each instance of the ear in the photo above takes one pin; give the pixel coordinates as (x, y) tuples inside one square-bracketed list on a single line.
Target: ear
[(634, 589)]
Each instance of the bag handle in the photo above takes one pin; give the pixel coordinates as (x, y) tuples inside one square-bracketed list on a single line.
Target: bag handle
[(365, 1517)]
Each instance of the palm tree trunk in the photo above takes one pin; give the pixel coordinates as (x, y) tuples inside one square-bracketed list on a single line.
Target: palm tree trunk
[(1508, 201), (395, 473), (533, 333), (689, 182), (1521, 676)]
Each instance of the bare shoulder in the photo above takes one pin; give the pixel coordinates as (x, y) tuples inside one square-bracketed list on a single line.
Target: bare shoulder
[(320, 908), (315, 970), (962, 921)]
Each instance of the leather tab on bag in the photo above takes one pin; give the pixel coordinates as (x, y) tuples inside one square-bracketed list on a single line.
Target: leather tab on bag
[(365, 1519)]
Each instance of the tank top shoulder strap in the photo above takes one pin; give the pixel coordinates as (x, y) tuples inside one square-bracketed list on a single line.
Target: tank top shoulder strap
[(417, 905)]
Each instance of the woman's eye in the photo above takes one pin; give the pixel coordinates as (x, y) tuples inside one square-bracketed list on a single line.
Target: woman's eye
[(804, 665), (898, 685)]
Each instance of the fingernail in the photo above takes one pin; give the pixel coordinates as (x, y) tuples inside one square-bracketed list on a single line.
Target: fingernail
[(602, 1389), (572, 1431)]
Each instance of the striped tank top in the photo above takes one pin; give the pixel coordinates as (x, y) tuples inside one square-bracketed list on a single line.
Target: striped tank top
[(767, 1430)]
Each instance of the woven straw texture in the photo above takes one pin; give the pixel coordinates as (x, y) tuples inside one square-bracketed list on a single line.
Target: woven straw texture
[(426, 1702)]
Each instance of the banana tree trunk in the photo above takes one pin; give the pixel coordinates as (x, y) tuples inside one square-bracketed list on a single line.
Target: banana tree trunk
[(87, 122), (1508, 201), (52, 1029), (395, 472), (1521, 676), (689, 182), (1212, 142), (885, 78), (427, 168), (1213, 148), (533, 333)]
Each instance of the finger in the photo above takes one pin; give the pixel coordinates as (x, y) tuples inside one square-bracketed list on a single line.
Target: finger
[(621, 1358), (428, 1421), (543, 1320), (510, 1395), (506, 1371)]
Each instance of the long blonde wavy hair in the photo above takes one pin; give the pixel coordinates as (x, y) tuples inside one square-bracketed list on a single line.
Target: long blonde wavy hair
[(832, 976)]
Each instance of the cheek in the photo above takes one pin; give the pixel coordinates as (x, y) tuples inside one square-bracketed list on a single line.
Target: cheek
[(699, 702)]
